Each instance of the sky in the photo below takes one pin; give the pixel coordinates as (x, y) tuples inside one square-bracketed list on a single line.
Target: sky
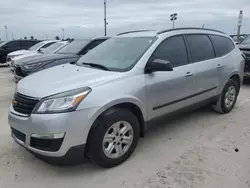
[(84, 18)]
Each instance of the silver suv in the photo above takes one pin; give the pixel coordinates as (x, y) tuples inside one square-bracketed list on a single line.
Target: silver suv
[(100, 106)]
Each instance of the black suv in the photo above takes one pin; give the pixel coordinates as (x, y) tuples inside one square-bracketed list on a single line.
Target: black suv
[(14, 45), (245, 48), (68, 54)]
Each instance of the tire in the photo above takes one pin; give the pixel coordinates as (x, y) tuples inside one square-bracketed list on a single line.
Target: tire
[(96, 147), (221, 106)]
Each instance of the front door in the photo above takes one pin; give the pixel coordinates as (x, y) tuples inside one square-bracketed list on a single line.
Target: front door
[(170, 90)]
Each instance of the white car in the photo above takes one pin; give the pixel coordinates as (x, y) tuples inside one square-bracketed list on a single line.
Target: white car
[(54, 47), (31, 51)]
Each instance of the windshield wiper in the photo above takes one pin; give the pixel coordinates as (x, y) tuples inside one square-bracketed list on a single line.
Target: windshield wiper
[(96, 65)]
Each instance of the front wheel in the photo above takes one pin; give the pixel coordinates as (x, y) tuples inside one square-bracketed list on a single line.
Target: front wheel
[(113, 138), (227, 98)]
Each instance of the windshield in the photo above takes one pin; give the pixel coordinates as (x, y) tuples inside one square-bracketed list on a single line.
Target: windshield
[(74, 47), (53, 47), (118, 54), (246, 41), (37, 46)]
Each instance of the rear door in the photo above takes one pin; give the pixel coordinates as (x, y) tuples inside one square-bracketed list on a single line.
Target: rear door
[(206, 68)]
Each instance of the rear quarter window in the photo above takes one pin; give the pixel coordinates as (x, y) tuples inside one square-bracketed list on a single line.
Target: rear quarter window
[(222, 45)]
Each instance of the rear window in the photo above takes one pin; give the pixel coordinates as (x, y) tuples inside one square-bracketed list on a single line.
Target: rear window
[(222, 45), (201, 47), (13, 44)]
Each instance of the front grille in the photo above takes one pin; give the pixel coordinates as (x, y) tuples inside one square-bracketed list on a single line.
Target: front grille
[(24, 104), (19, 71), (245, 49), (247, 55), (247, 65), (46, 144), (18, 134)]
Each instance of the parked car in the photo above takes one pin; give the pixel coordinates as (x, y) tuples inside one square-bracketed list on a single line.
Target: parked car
[(245, 48), (240, 39), (14, 45), (69, 54), (52, 48), (100, 106), (37, 48)]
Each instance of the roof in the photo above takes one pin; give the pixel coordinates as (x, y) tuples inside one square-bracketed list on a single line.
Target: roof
[(155, 33), (189, 28), (101, 37), (48, 41)]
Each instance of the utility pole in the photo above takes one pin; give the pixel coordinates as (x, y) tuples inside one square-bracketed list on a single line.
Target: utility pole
[(105, 18), (6, 32), (239, 24), (173, 17), (62, 33)]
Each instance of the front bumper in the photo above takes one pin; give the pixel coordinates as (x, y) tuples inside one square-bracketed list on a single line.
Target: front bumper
[(75, 125)]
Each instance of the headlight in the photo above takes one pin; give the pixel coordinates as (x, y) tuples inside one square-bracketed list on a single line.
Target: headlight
[(62, 102), (12, 56), (34, 65)]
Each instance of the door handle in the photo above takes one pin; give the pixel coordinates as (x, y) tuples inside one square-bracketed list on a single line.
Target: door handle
[(219, 66), (188, 74)]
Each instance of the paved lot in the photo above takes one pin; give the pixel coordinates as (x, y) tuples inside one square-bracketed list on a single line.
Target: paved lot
[(192, 150)]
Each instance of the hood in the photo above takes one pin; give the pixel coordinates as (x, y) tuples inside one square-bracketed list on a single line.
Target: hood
[(18, 52), (63, 78), (43, 57), (26, 54), (244, 46)]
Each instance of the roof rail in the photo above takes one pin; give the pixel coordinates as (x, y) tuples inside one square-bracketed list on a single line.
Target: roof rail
[(182, 28), (136, 31)]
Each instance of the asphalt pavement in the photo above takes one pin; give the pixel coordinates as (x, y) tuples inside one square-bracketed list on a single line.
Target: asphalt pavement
[(198, 149)]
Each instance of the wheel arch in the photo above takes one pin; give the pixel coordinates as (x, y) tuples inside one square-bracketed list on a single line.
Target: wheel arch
[(236, 77), (135, 106)]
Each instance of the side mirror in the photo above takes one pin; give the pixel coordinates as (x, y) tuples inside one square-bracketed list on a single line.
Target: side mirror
[(39, 50), (158, 65), (5, 47)]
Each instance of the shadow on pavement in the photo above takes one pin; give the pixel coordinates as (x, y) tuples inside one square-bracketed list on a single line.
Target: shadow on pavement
[(3, 65)]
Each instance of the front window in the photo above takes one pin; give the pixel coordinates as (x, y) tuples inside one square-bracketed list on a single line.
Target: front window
[(37, 46), (246, 41), (3, 43), (74, 47), (118, 54)]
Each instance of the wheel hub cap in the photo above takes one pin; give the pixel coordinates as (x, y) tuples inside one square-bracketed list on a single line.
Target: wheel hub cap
[(230, 96), (118, 139)]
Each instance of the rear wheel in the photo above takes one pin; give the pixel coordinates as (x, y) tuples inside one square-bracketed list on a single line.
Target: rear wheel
[(113, 138), (228, 97)]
